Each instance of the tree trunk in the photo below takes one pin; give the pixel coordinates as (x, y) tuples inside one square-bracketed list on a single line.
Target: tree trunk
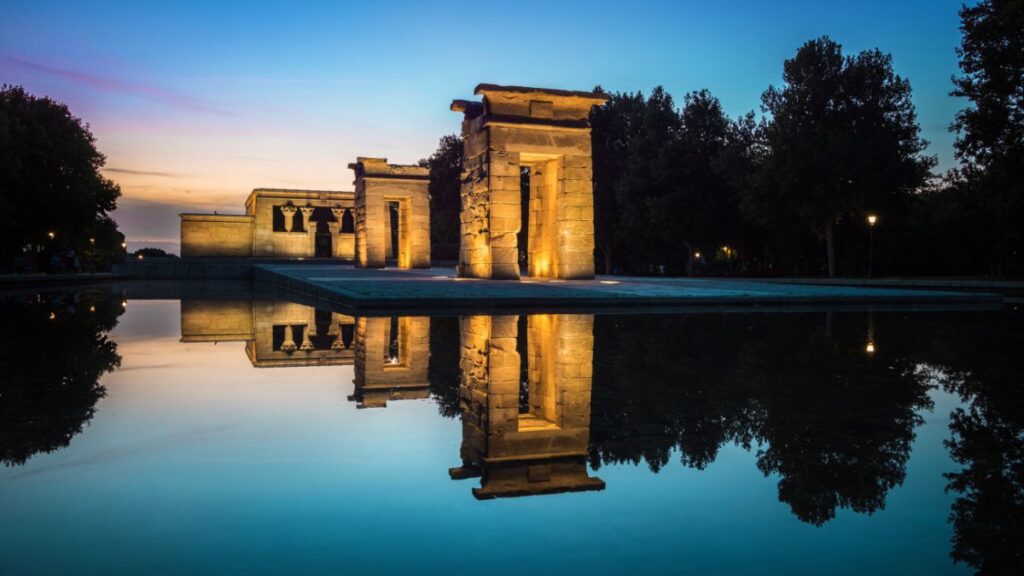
[(830, 248)]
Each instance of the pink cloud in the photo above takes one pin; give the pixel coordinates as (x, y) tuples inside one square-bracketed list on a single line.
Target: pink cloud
[(114, 85)]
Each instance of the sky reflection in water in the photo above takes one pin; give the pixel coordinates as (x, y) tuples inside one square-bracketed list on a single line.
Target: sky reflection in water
[(258, 435)]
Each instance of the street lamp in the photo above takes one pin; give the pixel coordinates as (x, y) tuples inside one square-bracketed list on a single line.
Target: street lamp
[(51, 235), (872, 220)]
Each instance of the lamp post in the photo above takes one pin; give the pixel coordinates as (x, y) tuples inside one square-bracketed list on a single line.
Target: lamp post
[(872, 220)]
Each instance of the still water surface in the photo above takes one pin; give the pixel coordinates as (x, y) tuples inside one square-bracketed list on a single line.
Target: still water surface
[(255, 435)]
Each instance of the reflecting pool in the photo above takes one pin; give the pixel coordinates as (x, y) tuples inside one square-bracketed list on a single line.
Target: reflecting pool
[(156, 431)]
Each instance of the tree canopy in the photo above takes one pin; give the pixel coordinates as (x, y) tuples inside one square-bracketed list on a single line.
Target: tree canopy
[(50, 180), (842, 141)]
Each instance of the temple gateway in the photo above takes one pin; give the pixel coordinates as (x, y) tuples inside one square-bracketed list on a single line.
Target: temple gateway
[(513, 133), (546, 132)]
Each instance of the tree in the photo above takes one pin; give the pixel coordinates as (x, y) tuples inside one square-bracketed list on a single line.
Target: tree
[(644, 177), (49, 179), (842, 140), (150, 252), (990, 131), (445, 197), (698, 209), (614, 126)]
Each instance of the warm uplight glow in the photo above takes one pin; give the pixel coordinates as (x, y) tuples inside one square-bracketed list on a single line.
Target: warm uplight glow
[(51, 235), (92, 308), (92, 240), (870, 348), (696, 254), (53, 316), (872, 219)]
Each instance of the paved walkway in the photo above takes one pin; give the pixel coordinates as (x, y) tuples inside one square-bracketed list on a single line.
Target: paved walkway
[(439, 288)]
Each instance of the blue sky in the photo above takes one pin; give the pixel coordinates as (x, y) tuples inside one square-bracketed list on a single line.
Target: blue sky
[(194, 105)]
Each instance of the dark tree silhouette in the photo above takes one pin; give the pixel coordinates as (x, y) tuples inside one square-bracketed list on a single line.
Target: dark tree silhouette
[(838, 422), (53, 352), (50, 182), (842, 141), (445, 197), (444, 372), (990, 133), (614, 127)]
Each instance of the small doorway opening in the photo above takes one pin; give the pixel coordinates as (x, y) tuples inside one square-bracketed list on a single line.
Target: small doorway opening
[(393, 230), (538, 232), (322, 242), (523, 238)]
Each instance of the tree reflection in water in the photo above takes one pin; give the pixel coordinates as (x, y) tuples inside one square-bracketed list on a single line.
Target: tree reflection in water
[(981, 362), (829, 402), (834, 421), (53, 351)]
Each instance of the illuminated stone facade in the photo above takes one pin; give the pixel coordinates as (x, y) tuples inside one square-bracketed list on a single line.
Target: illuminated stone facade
[(392, 360), (537, 444), (380, 189), (391, 356), (276, 333), (276, 224), (548, 133)]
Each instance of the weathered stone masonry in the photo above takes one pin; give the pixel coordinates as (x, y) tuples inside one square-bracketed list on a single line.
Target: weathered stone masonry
[(541, 449), (548, 132), (379, 184)]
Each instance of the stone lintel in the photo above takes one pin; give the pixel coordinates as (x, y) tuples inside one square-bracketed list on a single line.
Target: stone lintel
[(526, 122), (571, 455), (595, 98), (217, 217), (468, 107), (299, 195), (379, 168)]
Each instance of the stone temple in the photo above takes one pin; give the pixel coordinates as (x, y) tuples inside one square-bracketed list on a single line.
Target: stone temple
[(513, 135), (276, 224)]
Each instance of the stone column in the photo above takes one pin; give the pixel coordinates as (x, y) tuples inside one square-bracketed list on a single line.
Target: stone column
[(335, 229), (307, 344), (288, 346), (310, 226), (288, 211)]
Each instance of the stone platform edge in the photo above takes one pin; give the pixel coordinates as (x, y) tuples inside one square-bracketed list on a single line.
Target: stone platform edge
[(302, 287)]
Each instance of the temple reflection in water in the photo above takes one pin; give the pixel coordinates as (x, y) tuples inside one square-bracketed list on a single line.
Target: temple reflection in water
[(526, 420), (828, 404), (533, 440)]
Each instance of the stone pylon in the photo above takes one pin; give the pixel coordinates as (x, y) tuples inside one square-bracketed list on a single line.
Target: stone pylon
[(547, 132)]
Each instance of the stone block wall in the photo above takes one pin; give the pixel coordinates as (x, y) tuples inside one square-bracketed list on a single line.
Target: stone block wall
[(547, 131), (300, 325), (379, 377), (216, 235), (377, 185), (270, 243), (544, 449), (216, 320)]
